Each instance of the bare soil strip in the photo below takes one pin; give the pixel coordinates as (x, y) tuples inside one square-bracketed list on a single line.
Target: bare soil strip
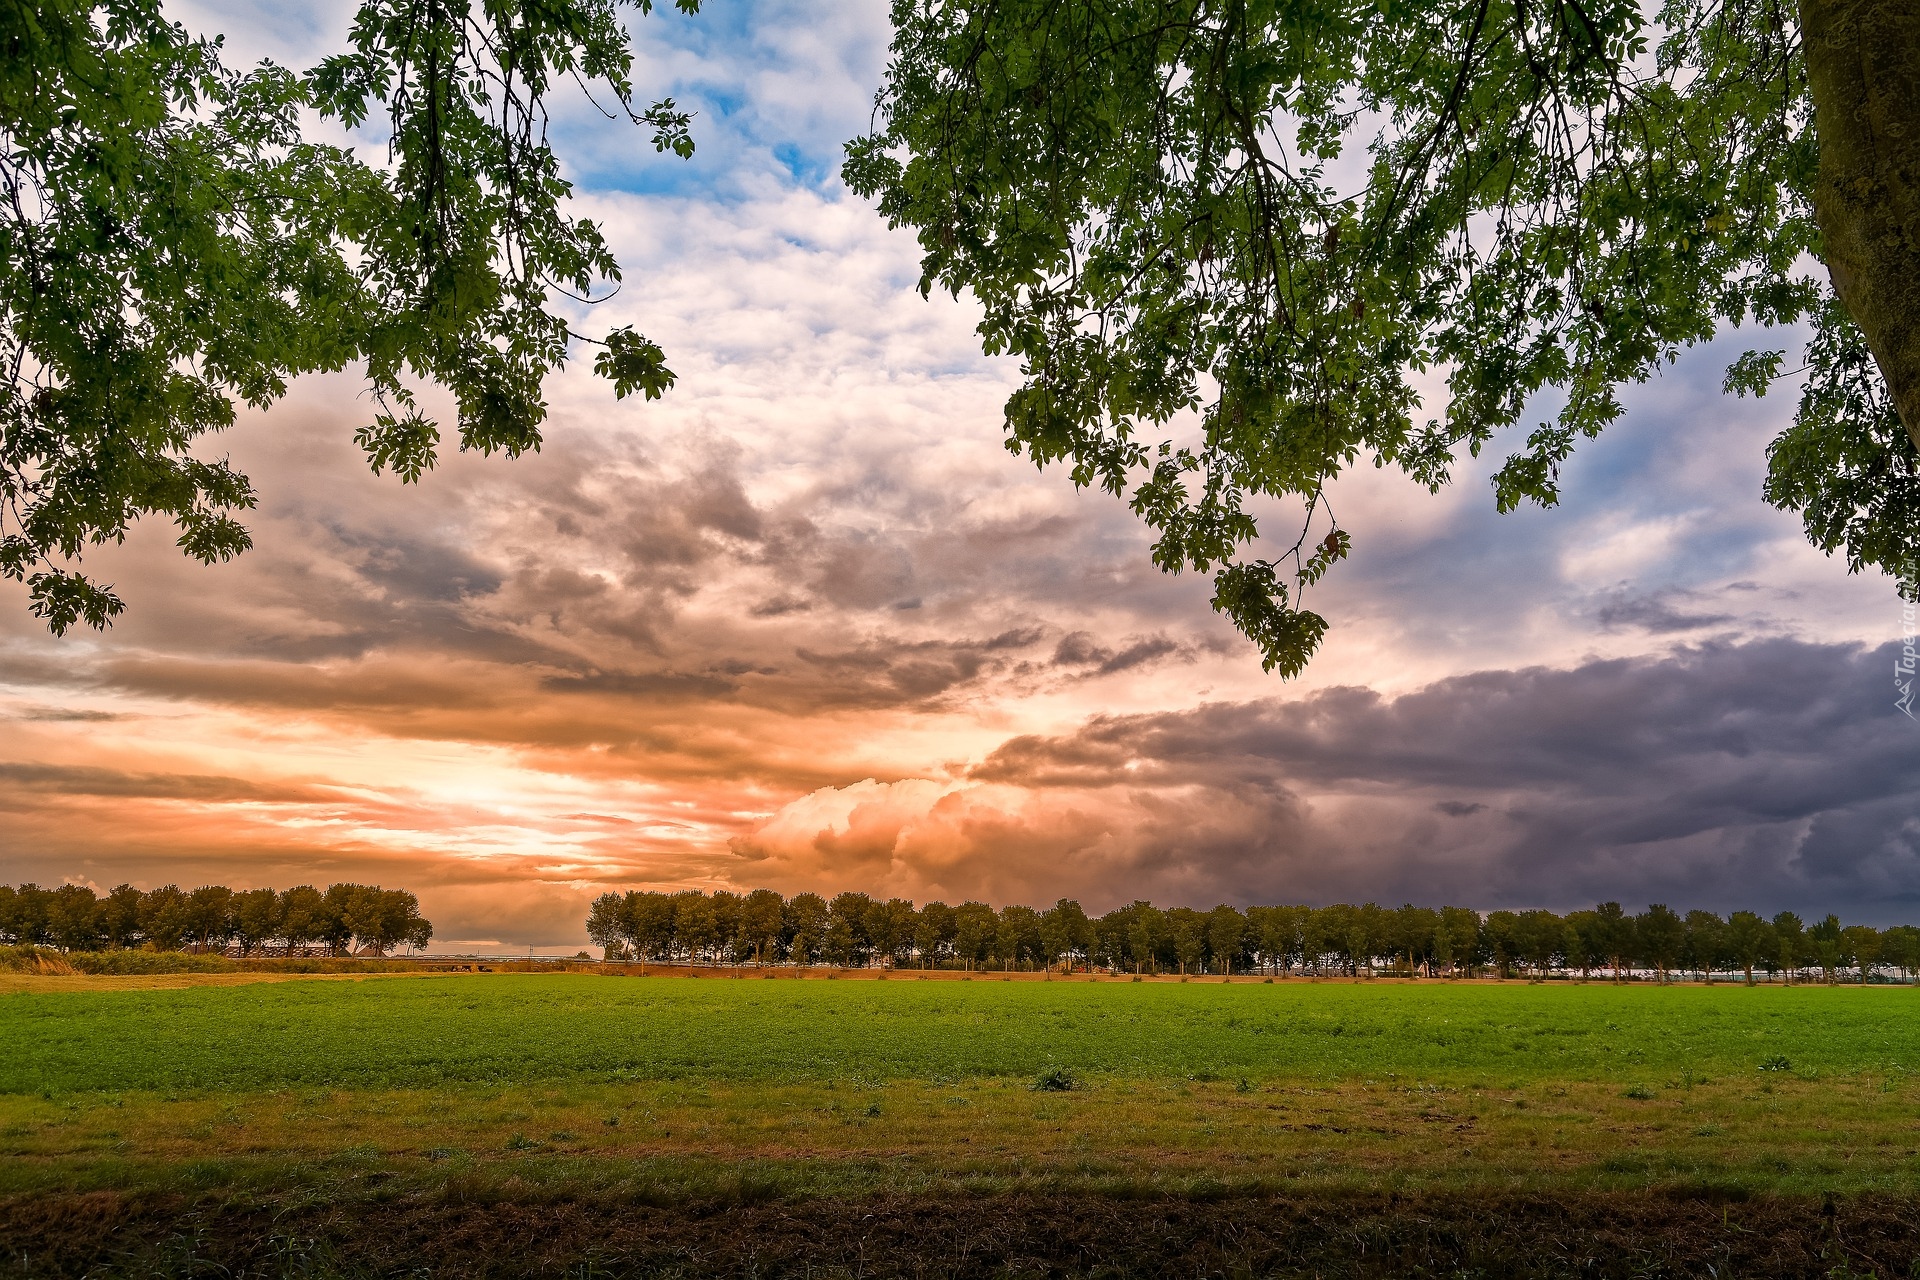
[(104, 1235)]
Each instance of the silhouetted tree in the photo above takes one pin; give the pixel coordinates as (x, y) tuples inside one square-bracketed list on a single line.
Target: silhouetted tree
[(1320, 930), (1582, 948), (1705, 947), (1065, 932), (1110, 946), (164, 917), (728, 941), (889, 928), (303, 916), (72, 918), (1278, 931), (1790, 936), (696, 931), (1149, 936), (120, 917), (1750, 941), (1189, 929), (1860, 944), (1503, 939), (1462, 926), (1226, 937), (604, 928), (1828, 945), (1614, 935), (762, 915), (1900, 947), (1413, 930), (934, 932), (648, 921), (1661, 935), (1541, 937), (336, 917), (847, 932), (256, 919), (974, 926), (1017, 940)]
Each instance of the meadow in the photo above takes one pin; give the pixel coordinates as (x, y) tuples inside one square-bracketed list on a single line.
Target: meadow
[(509, 1089), (433, 1031)]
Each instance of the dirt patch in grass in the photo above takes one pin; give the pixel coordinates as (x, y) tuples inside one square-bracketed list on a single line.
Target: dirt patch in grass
[(1689, 1232)]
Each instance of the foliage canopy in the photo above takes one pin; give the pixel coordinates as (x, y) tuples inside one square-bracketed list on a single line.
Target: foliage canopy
[(170, 244), (1240, 246)]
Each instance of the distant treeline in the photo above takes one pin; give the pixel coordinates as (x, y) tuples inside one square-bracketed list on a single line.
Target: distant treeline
[(338, 919), (854, 929)]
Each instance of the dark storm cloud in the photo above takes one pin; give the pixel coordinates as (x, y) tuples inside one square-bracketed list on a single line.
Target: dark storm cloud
[(390, 589), (1658, 612), (888, 670), (1775, 773), (780, 606), (1080, 649)]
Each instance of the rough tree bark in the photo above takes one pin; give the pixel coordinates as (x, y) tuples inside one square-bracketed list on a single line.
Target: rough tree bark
[(1863, 65)]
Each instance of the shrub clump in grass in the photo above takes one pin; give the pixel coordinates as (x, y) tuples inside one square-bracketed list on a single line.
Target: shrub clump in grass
[(1056, 1080), (1639, 1091), (1776, 1062)]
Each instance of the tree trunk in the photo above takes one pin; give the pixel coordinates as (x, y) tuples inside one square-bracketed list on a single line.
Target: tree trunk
[(1863, 67)]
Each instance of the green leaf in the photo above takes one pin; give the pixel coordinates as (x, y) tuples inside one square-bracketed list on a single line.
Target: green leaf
[(62, 599), (1753, 373), (407, 442), (632, 363)]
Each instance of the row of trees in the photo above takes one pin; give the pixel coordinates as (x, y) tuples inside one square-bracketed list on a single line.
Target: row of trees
[(854, 929), (340, 918)]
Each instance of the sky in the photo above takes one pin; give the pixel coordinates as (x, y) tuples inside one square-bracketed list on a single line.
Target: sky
[(805, 623)]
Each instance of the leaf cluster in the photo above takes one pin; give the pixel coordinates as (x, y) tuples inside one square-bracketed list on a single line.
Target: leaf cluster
[(171, 244), (1847, 464), (1311, 232)]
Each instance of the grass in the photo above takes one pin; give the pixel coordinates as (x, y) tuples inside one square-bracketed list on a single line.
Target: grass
[(822, 1138), (212, 1112), (1364, 1084), (426, 1032), (469, 1089)]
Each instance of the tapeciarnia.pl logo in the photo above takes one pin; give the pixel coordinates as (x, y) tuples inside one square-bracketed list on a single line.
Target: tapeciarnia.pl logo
[(1903, 666)]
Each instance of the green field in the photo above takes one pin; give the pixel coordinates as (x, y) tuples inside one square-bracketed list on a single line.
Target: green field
[(223, 1097), (412, 1033)]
